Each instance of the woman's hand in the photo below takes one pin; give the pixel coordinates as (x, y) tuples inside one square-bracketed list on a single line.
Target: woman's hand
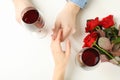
[(61, 57)]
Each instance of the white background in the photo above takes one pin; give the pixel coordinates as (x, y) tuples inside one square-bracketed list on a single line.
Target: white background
[(26, 57)]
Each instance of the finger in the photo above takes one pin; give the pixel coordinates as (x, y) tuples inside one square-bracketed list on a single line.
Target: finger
[(58, 38), (52, 43), (68, 47), (66, 33), (55, 30), (56, 43), (53, 36)]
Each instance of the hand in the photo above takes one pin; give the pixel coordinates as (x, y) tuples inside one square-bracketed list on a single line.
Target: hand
[(66, 20), (61, 58), (20, 6)]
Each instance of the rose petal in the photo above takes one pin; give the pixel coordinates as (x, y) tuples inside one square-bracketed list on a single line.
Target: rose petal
[(103, 58), (104, 43)]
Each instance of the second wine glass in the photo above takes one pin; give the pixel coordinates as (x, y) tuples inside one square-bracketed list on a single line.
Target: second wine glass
[(33, 21), (88, 58)]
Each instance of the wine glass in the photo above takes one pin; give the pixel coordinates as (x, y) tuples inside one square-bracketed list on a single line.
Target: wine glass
[(33, 21), (88, 58)]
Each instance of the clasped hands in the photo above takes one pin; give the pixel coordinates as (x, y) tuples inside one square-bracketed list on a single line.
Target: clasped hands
[(64, 26)]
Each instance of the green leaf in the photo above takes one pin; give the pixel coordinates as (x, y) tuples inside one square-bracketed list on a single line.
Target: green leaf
[(111, 33), (117, 40)]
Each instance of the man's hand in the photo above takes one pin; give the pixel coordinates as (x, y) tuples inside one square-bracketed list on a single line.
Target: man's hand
[(66, 20)]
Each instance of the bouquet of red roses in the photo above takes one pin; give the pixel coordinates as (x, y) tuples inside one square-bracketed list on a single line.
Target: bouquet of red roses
[(105, 37)]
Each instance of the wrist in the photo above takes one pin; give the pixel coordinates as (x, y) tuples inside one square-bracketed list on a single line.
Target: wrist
[(60, 69), (73, 8), (80, 3), (58, 73)]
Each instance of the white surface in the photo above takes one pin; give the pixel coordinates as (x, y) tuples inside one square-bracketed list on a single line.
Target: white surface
[(25, 57)]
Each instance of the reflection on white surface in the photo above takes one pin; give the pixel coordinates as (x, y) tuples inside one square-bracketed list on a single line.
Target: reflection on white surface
[(25, 57)]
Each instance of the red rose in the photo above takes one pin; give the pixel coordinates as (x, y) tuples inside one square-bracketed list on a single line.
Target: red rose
[(107, 21), (91, 24), (90, 39)]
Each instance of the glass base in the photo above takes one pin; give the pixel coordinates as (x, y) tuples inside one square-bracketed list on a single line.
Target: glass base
[(40, 34), (37, 32)]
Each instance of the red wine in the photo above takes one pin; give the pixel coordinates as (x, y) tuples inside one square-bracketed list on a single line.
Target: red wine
[(30, 16), (90, 57)]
